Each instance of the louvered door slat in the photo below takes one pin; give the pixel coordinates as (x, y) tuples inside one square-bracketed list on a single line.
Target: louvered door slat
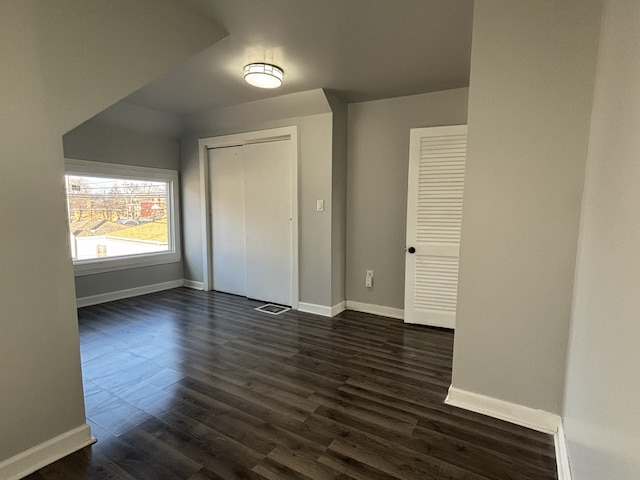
[(440, 177)]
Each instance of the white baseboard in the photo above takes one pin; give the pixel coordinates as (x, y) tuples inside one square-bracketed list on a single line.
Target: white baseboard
[(376, 309), (130, 292), (562, 455), (313, 308), (539, 420), (338, 308), (193, 284), (29, 461), (321, 309)]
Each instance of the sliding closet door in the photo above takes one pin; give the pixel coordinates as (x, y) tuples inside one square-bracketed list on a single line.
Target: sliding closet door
[(252, 220), (268, 213), (226, 180)]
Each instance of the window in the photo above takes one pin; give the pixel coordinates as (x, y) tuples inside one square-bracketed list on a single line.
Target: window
[(121, 216)]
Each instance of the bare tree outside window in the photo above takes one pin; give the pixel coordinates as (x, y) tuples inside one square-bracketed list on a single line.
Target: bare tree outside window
[(117, 217)]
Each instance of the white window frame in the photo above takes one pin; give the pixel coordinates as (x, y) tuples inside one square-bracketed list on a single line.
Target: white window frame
[(112, 170)]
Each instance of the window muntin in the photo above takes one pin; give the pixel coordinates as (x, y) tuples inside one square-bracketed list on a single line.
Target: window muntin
[(120, 216)]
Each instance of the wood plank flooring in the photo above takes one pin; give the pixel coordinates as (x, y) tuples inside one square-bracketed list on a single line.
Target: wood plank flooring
[(197, 385)]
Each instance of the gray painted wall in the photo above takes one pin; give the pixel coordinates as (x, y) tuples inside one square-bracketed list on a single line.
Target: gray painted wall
[(532, 77), (314, 181), (102, 283), (97, 141), (61, 66), (378, 165), (338, 200), (142, 119), (602, 392)]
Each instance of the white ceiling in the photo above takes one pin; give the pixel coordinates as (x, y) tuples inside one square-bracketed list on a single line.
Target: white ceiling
[(359, 49)]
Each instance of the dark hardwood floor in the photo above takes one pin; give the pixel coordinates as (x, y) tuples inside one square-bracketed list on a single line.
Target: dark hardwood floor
[(197, 385)]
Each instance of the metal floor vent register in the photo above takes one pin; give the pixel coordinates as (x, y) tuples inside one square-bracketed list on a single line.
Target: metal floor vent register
[(272, 309)]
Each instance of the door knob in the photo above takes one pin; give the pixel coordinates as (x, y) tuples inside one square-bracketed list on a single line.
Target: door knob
[(411, 250)]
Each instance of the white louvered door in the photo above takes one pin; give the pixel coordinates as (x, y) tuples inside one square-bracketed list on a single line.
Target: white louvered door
[(434, 214)]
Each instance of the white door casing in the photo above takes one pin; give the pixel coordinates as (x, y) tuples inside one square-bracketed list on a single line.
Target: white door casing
[(437, 159)]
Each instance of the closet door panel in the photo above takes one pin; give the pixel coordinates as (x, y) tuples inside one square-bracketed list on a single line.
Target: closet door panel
[(268, 213), (226, 177)]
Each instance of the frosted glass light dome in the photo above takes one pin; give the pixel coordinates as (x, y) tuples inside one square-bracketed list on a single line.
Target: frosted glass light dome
[(263, 75)]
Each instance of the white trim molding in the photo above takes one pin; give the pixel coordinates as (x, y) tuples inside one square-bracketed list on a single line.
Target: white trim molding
[(127, 293), (539, 420), (562, 455), (321, 309), (375, 309), (29, 461), (338, 308), (313, 308), (193, 284)]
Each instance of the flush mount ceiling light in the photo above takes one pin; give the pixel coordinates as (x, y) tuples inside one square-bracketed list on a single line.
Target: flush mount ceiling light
[(263, 75)]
